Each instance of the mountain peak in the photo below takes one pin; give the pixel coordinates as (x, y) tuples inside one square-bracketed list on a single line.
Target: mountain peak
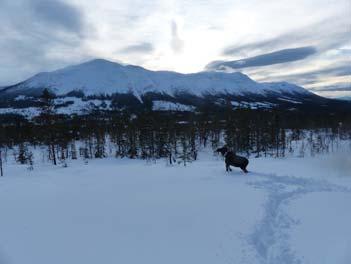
[(103, 76), (98, 62)]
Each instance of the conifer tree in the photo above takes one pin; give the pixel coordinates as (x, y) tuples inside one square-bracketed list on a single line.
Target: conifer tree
[(47, 118), (1, 169)]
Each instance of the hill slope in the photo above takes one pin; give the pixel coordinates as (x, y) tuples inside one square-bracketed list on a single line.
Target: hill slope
[(171, 89), (101, 76)]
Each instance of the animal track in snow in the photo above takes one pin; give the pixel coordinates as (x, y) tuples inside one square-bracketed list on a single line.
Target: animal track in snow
[(270, 237)]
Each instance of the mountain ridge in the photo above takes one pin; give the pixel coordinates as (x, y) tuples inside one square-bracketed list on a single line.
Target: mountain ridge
[(123, 86), (103, 76)]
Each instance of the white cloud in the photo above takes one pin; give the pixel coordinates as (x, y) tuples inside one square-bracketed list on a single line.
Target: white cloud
[(182, 35), (177, 43)]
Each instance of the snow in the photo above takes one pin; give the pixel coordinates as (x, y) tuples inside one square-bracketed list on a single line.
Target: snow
[(101, 76), (345, 98), (292, 210), (252, 105), (289, 100), (22, 98), (324, 236), (113, 211), (80, 106), (284, 87), (170, 106), (75, 106), (28, 112)]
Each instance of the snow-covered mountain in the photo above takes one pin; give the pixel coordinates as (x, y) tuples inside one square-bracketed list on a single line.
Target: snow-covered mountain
[(165, 89), (345, 98), (102, 76)]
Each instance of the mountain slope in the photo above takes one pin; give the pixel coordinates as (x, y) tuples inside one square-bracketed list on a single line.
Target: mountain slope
[(129, 85), (101, 76)]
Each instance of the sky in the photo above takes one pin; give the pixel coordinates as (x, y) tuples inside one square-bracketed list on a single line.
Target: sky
[(306, 42)]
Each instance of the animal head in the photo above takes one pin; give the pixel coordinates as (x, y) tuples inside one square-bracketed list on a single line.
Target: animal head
[(222, 150)]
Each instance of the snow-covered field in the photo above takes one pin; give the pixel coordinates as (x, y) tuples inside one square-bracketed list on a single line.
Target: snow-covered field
[(294, 210)]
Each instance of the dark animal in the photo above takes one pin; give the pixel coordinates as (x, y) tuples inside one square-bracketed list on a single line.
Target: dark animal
[(222, 150), (231, 159)]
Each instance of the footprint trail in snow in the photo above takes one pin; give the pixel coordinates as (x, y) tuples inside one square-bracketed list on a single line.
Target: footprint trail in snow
[(270, 239)]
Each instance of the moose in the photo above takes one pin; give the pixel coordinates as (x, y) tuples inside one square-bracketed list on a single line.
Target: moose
[(231, 159)]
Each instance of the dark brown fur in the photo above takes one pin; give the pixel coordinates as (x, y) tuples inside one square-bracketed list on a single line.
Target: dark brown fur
[(222, 150), (231, 159)]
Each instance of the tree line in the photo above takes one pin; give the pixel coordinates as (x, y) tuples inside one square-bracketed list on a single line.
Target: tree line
[(174, 136)]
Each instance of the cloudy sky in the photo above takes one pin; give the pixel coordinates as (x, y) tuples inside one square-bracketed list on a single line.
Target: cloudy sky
[(307, 42)]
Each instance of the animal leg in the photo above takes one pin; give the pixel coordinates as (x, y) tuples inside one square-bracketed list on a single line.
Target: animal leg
[(244, 169), (245, 165)]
